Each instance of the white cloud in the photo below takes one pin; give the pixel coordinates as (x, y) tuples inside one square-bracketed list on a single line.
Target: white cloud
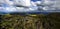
[(33, 3), (31, 6), (38, 2), (1, 1), (10, 3), (7, 2), (22, 2), (51, 5), (47, 2), (57, 3)]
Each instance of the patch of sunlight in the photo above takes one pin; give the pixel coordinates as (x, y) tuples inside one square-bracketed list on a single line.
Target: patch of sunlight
[(32, 15)]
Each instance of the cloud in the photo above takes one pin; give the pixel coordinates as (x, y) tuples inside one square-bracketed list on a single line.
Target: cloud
[(38, 2), (50, 5), (7, 2), (57, 3), (28, 5), (33, 3), (22, 2), (1, 1)]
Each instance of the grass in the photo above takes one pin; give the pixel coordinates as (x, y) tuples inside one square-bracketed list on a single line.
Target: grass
[(33, 21)]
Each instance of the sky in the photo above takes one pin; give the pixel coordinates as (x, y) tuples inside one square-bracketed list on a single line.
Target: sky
[(32, 0), (12, 9), (35, 0), (33, 7)]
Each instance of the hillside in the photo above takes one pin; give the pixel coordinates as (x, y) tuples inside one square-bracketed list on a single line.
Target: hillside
[(33, 21)]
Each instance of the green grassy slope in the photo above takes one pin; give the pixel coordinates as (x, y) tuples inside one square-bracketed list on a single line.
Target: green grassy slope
[(34, 21)]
